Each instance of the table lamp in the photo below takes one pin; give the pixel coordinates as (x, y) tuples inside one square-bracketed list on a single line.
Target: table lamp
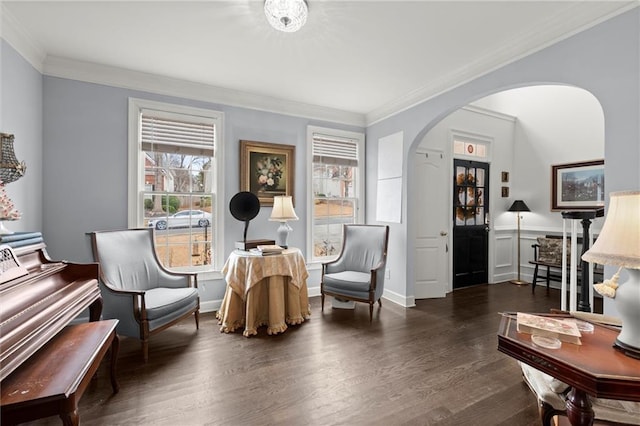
[(283, 212), (519, 206), (618, 244)]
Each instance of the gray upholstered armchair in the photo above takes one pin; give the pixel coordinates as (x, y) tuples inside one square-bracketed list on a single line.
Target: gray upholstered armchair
[(136, 288), (358, 272)]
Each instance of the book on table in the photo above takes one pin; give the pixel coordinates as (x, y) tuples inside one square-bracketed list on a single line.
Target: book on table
[(565, 330), (268, 249)]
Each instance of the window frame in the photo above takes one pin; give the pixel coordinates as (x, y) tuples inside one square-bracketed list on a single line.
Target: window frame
[(359, 139), (486, 142), (136, 174)]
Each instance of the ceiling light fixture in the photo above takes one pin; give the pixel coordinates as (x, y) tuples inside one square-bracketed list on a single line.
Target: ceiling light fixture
[(286, 15)]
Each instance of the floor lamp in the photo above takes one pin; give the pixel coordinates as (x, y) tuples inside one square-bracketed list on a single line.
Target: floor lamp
[(519, 206)]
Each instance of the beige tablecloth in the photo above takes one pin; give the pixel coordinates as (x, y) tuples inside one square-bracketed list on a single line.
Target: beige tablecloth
[(264, 290)]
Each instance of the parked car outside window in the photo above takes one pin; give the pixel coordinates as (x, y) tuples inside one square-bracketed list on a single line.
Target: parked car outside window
[(181, 219)]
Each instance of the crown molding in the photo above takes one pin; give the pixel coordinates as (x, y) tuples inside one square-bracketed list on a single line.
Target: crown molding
[(135, 80), (12, 32), (512, 50)]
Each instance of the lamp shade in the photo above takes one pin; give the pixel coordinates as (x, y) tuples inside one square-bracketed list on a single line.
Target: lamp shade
[(519, 206), (283, 209), (619, 240)]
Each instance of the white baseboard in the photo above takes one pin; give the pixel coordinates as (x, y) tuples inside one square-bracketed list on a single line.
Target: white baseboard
[(404, 301), (210, 306)]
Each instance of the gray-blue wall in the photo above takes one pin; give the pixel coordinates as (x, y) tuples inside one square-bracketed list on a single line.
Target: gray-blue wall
[(85, 185), (86, 143), (21, 115)]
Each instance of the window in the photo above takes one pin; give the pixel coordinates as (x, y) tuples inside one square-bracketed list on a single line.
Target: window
[(471, 146), (174, 182), (337, 188)]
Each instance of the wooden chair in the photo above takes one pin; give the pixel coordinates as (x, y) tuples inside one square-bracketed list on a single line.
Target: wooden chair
[(547, 261)]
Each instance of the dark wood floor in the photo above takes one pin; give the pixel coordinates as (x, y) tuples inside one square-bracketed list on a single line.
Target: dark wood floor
[(435, 364)]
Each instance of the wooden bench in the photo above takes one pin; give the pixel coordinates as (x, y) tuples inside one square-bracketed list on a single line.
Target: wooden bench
[(52, 381), (553, 266)]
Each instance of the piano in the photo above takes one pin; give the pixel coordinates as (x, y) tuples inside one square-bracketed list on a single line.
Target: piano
[(39, 297)]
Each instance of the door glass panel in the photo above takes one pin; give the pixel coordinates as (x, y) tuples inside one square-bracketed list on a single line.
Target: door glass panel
[(479, 177), (469, 208)]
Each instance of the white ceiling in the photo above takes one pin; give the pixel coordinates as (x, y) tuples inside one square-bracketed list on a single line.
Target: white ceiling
[(365, 57)]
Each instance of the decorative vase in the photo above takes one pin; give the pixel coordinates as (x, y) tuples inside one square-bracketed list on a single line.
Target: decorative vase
[(627, 300), (4, 230)]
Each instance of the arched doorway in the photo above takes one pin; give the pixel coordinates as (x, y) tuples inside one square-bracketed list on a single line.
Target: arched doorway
[(527, 130)]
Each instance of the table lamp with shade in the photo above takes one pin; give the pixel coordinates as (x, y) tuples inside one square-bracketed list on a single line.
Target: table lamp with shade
[(618, 244), (519, 206), (283, 212)]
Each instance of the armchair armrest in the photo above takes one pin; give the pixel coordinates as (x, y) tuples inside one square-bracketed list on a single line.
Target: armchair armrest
[(112, 289), (128, 306), (332, 266), (377, 274), (168, 278), (137, 296)]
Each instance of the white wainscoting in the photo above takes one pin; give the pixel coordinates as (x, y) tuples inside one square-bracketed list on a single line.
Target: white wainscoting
[(506, 253)]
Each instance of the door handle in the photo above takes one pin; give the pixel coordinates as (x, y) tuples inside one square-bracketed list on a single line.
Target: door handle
[(443, 233)]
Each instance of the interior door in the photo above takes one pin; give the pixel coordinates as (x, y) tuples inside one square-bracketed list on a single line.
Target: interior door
[(432, 225), (470, 229)]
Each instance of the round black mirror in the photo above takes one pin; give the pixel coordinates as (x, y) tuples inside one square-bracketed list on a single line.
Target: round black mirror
[(244, 206)]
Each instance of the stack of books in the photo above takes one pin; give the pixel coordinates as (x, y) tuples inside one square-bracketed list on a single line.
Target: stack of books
[(21, 239), (270, 249)]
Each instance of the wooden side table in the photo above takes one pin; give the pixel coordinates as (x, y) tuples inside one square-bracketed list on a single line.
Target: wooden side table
[(52, 381), (594, 368)]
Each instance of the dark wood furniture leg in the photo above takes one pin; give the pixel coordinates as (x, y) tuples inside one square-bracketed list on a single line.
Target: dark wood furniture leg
[(548, 279), (95, 310), (115, 348), (579, 410)]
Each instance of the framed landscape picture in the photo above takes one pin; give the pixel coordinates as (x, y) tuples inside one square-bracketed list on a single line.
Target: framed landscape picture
[(266, 169), (577, 186)]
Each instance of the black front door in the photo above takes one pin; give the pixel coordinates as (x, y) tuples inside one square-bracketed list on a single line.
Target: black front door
[(470, 232)]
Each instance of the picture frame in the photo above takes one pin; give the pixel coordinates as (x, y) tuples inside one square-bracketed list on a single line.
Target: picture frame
[(505, 192), (504, 176), (577, 186), (267, 169)]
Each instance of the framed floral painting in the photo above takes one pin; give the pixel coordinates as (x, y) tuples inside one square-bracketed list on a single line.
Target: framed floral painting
[(266, 169)]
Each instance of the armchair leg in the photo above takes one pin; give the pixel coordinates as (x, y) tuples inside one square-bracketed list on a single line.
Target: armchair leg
[(196, 314), (370, 312), (145, 350), (322, 302), (380, 302)]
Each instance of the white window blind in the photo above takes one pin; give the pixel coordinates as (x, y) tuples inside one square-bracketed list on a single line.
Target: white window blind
[(335, 150), (170, 135)]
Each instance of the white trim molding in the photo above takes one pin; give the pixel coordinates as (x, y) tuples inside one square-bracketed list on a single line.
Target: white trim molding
[(135, 80), (20, 40)]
